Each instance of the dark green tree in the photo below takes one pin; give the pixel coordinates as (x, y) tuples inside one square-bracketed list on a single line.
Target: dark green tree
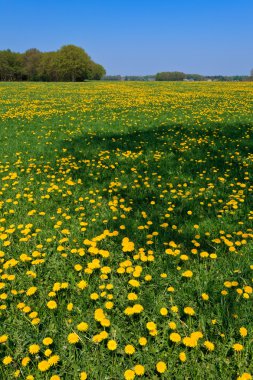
[(95, 71), (10, 66), (47, 69), (31, 62), (72, 63), (170, 76)]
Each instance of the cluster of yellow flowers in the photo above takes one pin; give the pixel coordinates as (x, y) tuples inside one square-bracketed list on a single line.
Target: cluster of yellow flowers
[(126, 230)]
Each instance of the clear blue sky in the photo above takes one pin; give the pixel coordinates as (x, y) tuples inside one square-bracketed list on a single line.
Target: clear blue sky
[(137, 36)]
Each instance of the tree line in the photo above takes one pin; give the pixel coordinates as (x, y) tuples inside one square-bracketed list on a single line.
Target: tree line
[(69, 63), (179, 76)]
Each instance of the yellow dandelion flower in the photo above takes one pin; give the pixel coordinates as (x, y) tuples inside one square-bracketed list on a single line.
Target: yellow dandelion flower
[(129, 349), (139, 369), (7, 360), (83, 326), (182, 356), (55, 377), (111, 345), (237, 347), (52, 305), (143, 341), (73, 338), (189, 311), (209, 345), (161, 367), (47, 341), (53, 360), (175, 337), (243, 332), (129, 374), (34, 349), (43, 365)]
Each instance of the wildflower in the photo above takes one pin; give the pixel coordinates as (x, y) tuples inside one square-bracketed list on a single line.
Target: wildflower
[(82, 284), (111, 345), (163, 311), (83, 326), (34, 349), (3, 338), (70, 306), (73, 338), (161, 367), (139, 369), (43, 365), (243, 332), (83, 375), (209, 345), (182, 356), (245, 376), (25, 361), (175, 337), (132, 296), (35, 321), (7, 360), (31, 291), (187, 274), (151, 326), (53, 360), (143, 341), (172, 325), (189, 311), (47, 341), (237, 347), (52, 305), (129, 349), (137, 308), (129, 374), (134, 283)]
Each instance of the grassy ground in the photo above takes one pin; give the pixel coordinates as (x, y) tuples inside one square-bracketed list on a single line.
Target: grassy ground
[(126, 231)]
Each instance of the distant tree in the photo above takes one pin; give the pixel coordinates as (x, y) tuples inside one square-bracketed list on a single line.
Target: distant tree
[(72, 63), (112, 77), (10, 66), (31, 62), (47, 69), (6, 71), (95, 71), (170, 76), (195, 77)]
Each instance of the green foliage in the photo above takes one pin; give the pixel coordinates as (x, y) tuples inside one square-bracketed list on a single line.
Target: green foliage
[(70, 63), (31, 61), (10, 65), (170, 76)]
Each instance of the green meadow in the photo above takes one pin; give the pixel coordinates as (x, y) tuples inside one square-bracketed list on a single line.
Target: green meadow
[(126, 231)]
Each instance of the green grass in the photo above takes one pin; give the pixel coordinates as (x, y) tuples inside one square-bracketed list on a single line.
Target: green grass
[(133, 158)]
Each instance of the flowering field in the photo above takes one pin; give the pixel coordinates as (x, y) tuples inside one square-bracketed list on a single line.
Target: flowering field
[(126, 225)]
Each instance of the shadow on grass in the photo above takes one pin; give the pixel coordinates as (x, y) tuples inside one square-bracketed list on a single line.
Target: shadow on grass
[(171, 166), (148, 162)]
